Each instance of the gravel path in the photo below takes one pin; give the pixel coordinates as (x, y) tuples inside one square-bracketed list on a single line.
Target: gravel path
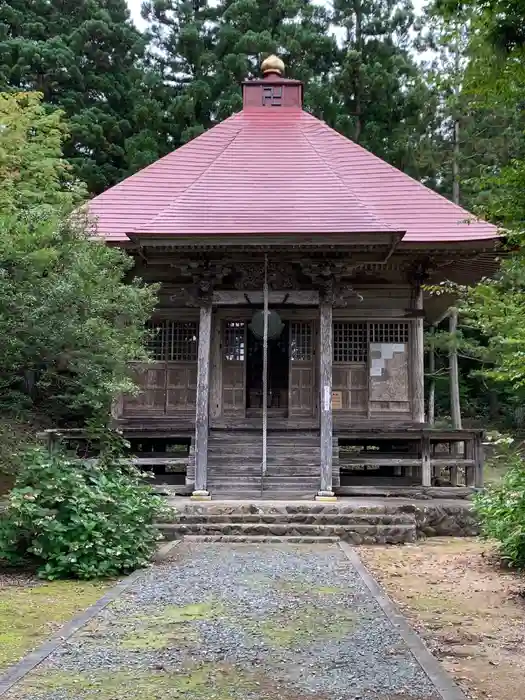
[(237, 622)]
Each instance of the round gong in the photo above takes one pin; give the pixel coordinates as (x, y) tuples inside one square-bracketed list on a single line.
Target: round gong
[(275, 325)]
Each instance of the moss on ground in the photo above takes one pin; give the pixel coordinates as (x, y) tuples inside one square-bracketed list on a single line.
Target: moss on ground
[(305, 626), (169, 627), (31, 613), (198, 682), (188, 613)]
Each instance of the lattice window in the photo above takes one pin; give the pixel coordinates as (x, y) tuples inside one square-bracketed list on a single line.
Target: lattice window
[(389, 332), (350, 342), (156, 340), (234, 341), (301, 341), (173, 341), (182, 341)]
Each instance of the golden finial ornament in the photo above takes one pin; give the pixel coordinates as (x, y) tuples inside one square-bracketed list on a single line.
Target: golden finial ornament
[(272, 64)]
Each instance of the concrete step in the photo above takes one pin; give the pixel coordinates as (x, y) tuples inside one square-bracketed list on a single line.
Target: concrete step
[(260, 539)]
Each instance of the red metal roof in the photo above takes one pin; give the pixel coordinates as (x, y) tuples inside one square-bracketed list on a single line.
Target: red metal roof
[(278, 171)]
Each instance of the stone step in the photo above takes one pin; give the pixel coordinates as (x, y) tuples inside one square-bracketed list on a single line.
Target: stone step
[(385, 534), (189, 518), (289, 539), (250, 507), (292, 528)]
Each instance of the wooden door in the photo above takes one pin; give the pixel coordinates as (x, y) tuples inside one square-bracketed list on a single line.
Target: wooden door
[(302, 369), (233, 350)]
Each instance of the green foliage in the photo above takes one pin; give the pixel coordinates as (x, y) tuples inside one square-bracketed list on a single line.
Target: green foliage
[(88, 59), (79, 520), (483, 91), (501, 510), (71, 320), (33, 173), (489, 127), (493, 312)]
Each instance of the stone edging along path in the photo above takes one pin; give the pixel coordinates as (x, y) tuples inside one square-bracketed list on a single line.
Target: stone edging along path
[(439, 679), (15, 673)]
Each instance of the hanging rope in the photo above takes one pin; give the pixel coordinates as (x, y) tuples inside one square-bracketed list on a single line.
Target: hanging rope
[(265, 376)]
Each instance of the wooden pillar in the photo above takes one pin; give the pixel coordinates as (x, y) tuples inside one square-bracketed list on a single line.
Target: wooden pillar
[(480, 460), (201, 413), (325, 384), (455, 407), (418, 361), (431, 413), (426, 465), (470, 454)]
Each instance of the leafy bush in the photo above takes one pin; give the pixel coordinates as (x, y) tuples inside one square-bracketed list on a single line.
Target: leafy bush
[(79, 520), (501, 510), (72, 315)]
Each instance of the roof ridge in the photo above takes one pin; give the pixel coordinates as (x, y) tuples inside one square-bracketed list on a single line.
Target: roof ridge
[(233, 118), (337, 174)]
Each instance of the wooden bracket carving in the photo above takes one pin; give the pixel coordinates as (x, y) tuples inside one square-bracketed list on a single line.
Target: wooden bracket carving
[(205, 275), (328, 277), (419, 273)]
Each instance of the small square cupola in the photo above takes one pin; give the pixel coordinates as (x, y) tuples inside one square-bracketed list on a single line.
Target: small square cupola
[(273, 90)]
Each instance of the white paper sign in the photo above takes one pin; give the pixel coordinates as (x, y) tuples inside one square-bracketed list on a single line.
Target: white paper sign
[(327, 398)]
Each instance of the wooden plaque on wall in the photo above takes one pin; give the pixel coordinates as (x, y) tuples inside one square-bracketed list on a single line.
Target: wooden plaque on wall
[(337, 400)]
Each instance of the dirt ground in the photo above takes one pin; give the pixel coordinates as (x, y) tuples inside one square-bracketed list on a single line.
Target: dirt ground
[(470, 612)]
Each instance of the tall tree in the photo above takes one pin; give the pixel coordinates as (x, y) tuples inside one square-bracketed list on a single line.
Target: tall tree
[(492, 179), (480, 132), (384, 102), (368, 88), (86, 58), (206, 49)]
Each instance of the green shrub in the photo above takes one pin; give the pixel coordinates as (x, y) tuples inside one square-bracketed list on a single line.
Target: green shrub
[(79, 520), (501, 510)]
